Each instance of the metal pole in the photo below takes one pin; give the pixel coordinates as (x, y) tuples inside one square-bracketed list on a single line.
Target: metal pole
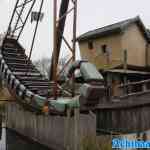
[(60, 30), (74, 28), (12, 17), (35, 31), (33, 40), (74, 41), (55, 48), (21, 11), (25, 20)]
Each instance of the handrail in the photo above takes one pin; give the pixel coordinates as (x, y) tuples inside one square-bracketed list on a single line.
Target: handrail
[(134, 83), (132, 88)]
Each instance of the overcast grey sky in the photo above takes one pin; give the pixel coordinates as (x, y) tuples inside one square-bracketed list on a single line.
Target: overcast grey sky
[(91, 14)]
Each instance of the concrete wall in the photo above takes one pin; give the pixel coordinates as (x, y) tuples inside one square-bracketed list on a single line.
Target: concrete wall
[(49, 130), (134, 42)]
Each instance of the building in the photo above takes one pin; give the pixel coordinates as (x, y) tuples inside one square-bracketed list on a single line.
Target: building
[(105, 47), (121, 51)]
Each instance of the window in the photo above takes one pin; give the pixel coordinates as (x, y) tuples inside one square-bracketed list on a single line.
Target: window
[(104, 49), (90, 45)]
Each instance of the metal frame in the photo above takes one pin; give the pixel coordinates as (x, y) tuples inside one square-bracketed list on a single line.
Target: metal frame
[(35, 31), (14, 29), (14, 24), (59, 26)]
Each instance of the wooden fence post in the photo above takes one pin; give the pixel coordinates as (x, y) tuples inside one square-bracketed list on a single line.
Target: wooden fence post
[(67, 130), (76, 128)]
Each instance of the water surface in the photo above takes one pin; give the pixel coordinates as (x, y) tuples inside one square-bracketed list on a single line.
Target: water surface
[(10, 140)]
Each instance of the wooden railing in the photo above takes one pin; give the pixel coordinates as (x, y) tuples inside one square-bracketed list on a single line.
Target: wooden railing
[(133, 88)]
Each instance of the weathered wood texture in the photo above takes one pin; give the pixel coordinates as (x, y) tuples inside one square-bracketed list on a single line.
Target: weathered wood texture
[(126, 113), (48, 130), (124, 120)]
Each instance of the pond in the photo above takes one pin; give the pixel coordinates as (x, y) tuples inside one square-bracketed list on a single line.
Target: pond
[(10, 140)]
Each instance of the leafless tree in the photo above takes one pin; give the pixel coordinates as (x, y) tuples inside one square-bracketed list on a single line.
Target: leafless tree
[(43, 65)]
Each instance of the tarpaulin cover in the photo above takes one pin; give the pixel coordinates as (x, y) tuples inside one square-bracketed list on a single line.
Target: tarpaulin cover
[(62, 103), (89, 72)]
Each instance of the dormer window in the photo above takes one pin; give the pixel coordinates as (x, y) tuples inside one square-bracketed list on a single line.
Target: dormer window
[(90, 45)]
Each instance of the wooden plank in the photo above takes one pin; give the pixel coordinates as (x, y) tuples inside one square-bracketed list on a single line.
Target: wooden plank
[(24, 70), (23, 67), (15, 57), (23, 74), (13, 51), (67, 130), (76, 128), (33, 79), (36, 83)]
